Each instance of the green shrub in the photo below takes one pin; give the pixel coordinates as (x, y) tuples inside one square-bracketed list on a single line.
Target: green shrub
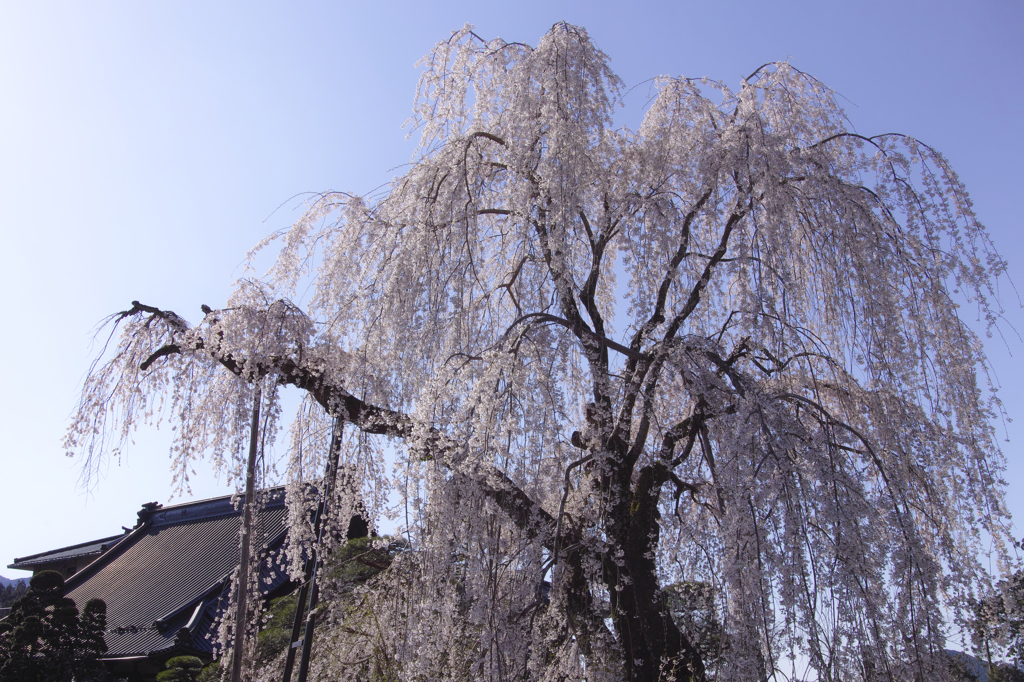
[(181, 669), (211, 673)]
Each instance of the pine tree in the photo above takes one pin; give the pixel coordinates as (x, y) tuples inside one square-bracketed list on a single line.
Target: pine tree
[(45, 639), (12, 593)]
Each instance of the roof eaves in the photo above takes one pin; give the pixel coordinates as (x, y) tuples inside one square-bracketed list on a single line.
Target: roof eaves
[(276, 493), (40, 557), (160, 514)]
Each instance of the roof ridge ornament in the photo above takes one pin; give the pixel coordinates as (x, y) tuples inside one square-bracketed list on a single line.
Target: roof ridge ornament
[(147, 511)]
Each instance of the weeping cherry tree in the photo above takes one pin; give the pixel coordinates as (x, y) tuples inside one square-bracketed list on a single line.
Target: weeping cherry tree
[(717, 355)]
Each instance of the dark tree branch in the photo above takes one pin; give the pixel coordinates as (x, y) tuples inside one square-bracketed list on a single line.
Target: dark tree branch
[(338, 402), (658, 314), (170, 349), (598, 340)]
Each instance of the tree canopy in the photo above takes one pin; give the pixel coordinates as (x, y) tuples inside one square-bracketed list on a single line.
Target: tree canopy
[(12, 592), (45, 638), (687, 402)]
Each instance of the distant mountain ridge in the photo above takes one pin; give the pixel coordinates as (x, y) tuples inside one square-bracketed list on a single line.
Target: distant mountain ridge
[(4, 582)]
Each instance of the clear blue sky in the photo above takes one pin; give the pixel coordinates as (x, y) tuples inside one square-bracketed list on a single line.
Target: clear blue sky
[(144, 147)]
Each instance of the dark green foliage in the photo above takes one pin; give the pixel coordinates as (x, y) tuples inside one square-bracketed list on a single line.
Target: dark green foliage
[(272, 642), (45, 638), (211, 673), (12, 593), (276, 634), (357, 561), (350, 565), (181, 669)]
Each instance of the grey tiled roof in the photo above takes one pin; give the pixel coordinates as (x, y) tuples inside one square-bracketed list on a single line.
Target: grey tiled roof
[(179, 560), (91, 548)]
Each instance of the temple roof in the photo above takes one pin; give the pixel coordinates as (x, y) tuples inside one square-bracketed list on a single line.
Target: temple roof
[(91, 548), (165, 582)]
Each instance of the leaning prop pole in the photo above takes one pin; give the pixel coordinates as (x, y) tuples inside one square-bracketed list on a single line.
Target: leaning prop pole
[(242, 585), (309, 580)]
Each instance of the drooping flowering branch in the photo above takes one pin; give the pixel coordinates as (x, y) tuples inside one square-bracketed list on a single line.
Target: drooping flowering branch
[(717, 356)]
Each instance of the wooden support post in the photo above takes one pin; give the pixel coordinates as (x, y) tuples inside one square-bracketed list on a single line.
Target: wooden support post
[(242, 585), (309, 588), (307, 636), (300, 612)]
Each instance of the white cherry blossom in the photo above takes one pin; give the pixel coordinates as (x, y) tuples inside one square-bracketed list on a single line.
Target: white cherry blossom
[(722, 350)]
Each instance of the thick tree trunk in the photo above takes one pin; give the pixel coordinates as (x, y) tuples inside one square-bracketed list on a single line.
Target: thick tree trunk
[(586, 622), (653, 646)]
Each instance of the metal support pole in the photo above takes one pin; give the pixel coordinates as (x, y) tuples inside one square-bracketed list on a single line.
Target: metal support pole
[(242, 586)]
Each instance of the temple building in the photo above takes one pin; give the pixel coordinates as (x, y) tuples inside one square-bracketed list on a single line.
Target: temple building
[(167, 580)]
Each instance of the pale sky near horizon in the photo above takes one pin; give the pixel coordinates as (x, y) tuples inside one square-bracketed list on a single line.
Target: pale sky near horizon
[(145, 147)]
